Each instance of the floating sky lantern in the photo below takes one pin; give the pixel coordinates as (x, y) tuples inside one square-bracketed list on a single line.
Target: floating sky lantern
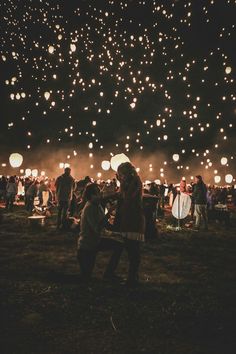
[(73, 47), (15, 160), (228, 69), (105, 165), (51, 49), (223, 161), (175, 157), (47, 95), (34, 172), (229, 178), (117, 160), (28, 172), (217, 179)]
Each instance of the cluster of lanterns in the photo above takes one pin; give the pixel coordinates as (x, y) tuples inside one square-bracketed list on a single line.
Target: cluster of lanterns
[(63, 165), (115, 162), (228, 179), (16, 160)]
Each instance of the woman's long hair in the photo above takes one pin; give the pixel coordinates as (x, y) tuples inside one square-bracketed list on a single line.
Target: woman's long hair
[(131, 185)]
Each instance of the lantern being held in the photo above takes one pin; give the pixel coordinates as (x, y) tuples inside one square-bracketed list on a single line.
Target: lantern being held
[(117, 160)]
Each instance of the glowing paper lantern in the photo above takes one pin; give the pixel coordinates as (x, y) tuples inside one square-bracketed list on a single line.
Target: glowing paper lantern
[(15, 160), (34, 172), (175, 157), (73, 47), (61, 165), (132, 105), (51, 49), (47, 95), (228, 178), (228, 70), (27, 172), (106, 165), (217, 179), (223, 161), (117, 160), (158, 122)]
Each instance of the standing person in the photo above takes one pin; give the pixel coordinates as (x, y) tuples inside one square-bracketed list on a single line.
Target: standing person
[(162, 189), (3, 185), (31, 193), (129, 219), (11, 192), (200, 201), (65, 185), (183, 186), (27, 184), (90, 241)]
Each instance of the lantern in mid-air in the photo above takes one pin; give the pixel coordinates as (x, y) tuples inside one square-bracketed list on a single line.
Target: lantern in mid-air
[(175, 157), (223, 161), (217, 179), (105, 165), (229, 178), (15, 160)]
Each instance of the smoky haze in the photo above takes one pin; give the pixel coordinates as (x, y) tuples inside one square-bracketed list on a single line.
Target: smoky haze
[(151, 165)]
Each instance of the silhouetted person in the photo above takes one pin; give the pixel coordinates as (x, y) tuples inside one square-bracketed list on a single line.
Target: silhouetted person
[(11, 192), (65, 185), (200, 201), (90, 241), (129, 219), (31, 193)]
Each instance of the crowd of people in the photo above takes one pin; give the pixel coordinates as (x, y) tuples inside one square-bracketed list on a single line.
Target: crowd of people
[(123, 205)]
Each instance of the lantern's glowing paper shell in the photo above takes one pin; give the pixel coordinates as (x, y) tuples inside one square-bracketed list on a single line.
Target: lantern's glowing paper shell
[(181, 206)]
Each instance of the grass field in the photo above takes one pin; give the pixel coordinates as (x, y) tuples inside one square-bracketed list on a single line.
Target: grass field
[(186, 302)]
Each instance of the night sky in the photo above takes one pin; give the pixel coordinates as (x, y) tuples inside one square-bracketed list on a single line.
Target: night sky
[(144, 77)]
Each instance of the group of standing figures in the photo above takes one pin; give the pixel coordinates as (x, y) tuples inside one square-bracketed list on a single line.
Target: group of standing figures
[(129, 222)]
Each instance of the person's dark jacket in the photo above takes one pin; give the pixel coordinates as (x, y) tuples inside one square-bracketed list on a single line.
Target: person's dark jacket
[(200, 193), (65, 186)]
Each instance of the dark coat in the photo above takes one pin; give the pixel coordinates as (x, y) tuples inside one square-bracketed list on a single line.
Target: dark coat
[(200, 193), (65, 185), (129, 213)]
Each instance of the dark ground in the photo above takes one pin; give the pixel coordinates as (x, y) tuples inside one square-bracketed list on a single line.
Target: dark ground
[(185, 303)]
